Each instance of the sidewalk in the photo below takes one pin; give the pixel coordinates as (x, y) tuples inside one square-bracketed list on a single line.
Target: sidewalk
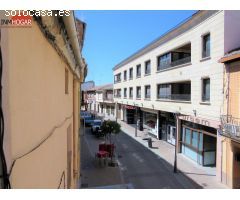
[(94, 175), (204, 176)]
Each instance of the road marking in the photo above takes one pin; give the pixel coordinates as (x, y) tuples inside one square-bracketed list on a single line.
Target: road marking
[(135, 155)]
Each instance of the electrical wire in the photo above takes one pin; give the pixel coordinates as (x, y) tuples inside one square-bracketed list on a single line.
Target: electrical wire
[(4, 176), (40, 143), (62, 179)]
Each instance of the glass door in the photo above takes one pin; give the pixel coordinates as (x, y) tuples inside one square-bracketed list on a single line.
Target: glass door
[(171, 134)]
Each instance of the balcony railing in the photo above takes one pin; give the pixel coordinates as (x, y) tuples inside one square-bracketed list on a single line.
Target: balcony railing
[(181, 97), (230, 126), (168, 64)]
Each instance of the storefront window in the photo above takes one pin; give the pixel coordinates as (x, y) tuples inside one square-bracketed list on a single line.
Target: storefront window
[(150, 120), (200, 141), (195, 139), (187, 136)]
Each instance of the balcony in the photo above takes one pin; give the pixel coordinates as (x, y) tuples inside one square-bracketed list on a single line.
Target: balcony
[(176, 57), (180, 91), (178, 97), (166, 65), (230, 127)]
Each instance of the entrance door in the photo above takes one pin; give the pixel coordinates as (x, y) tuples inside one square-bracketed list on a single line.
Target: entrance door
[(171, 134)]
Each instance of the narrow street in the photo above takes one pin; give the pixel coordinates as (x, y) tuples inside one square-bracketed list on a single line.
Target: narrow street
[(138, 167)]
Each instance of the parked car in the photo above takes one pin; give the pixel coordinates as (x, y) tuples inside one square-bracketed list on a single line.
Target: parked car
[(88, 120), (96, 127), (84, 114)]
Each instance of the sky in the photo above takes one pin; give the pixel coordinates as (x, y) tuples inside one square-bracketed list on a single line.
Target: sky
[(112, 36)]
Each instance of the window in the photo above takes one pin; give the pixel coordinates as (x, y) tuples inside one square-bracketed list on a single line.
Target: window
[(175, 91), (125, 92), (117, 78), (147, 67), (66, 81), (117, 93), (164, 91), (138, 71), (130, 73), (164, 61), (138, 92), (130, 92), (206, 46), (147, 92), (125, 75), (206, 89)]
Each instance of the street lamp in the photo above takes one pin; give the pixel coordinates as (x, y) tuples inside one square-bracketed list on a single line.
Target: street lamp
[(176, 142), (135, 120)]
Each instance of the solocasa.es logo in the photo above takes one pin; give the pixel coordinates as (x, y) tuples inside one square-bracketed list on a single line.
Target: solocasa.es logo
[(16, 19)]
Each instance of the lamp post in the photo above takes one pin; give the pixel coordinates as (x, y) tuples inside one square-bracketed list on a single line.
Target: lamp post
[(116, 110), (176, 142), (135, 120)]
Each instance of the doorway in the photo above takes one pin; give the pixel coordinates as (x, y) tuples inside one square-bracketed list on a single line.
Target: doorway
[(171, 134)]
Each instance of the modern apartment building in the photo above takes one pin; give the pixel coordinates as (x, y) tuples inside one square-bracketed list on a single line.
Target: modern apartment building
[(174, 85), (229, 141), (42, 68)]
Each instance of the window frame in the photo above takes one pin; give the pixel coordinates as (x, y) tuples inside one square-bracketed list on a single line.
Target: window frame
[(202, 45), (125, 77), (130, 74), (138, 97), (145, 90), (145, 67), (202, 89), (138, 66), (130, 94)]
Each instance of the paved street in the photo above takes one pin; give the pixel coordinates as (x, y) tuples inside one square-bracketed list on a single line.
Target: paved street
[(144, 169), (138, 167)]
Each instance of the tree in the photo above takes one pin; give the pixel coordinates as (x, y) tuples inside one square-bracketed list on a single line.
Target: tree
[(108, 128)]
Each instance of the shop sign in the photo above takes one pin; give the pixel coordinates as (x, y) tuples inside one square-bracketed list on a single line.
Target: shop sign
[(130, 107), (201, 121)]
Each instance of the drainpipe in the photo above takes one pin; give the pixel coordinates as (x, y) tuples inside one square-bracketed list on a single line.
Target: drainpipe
[(69, 22)]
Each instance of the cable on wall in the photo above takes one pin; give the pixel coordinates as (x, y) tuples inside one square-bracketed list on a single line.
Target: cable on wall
[(40, 143), (62, 179)]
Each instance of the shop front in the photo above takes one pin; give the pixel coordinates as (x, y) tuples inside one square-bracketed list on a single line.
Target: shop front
[(198, 142), (167, 127), (129, 114), (150, 122)]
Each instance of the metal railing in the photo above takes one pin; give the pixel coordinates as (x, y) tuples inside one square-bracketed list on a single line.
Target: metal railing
[(168, 64), (181, 97), (230, 126)]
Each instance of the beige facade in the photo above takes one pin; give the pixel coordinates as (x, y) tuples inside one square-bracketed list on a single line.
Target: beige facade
[(41, 109), (229, 145)]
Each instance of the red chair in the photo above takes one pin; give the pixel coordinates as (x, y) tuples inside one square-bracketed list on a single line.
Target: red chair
[(110, 149), (102, 154)]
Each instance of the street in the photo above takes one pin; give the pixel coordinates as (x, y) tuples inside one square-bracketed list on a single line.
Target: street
[(138, 167)]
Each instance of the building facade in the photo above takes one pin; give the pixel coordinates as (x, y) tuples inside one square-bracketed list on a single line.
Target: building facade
[(42, 71), (229, 140), (174, 86), (105, 106)]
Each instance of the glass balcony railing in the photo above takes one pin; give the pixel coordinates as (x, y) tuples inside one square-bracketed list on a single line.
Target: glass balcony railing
[(181, 97), (167, 64)]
